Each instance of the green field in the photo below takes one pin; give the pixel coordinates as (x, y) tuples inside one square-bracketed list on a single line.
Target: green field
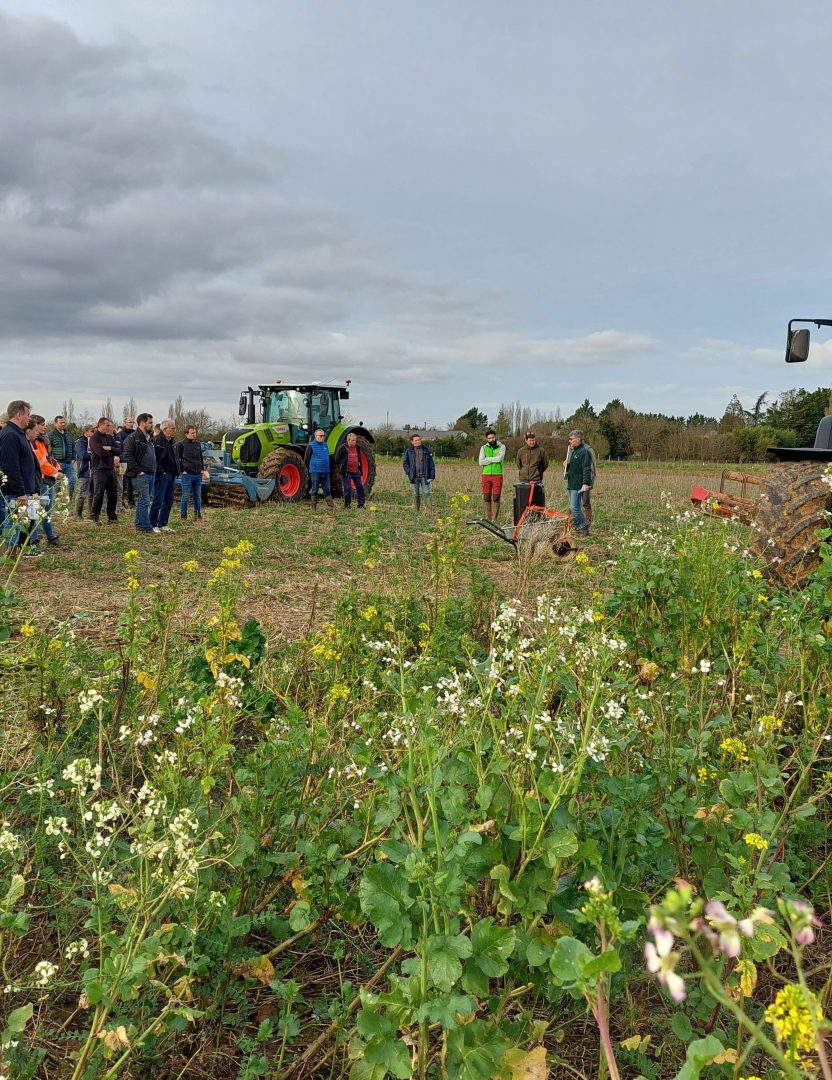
[(370, 794)]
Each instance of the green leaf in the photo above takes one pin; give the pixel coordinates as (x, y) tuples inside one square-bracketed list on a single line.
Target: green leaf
[(373, 1025), (17, 887), (558, 846), (18, 1019), (475, 1052), (538, 951), (491, 946), (568, 961), (444, 1009), (699, 1054), (392, 1054), (443, 959), (681, 1025), (608, 961), (385, 900), (299, 916)]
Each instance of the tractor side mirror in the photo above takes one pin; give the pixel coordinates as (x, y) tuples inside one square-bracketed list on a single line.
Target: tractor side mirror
[(243, 405), (798, 347)]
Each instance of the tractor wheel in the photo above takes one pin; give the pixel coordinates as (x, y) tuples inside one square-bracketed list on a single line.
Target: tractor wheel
[(288, 470), (794, 503), (368, 469)]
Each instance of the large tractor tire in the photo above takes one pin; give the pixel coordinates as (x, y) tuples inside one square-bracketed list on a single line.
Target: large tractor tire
[(288, 470), (795, 502), (368, 469)]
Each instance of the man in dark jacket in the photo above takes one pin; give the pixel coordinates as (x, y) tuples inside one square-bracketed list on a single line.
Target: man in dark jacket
[(140, 462), (105, 461), (83, 465), (191, 465), (127, 497), (167, 470), (419, 468), (62, 449), (532, 461), (18, 468), (348, 464), (578, 479)]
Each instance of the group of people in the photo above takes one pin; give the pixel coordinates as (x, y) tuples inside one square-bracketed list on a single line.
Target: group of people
[(579, 469), (134, 466)]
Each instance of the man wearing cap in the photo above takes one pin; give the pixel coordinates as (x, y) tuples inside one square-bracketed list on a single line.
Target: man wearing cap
[(578, 479), (492, 455), (532, 461)]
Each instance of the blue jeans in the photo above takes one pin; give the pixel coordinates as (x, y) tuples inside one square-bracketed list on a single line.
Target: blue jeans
[(347, 481), (70, 474), (318, 480), (191, 485), (421, 486), (577, 511), (162, 500), (143, 487)]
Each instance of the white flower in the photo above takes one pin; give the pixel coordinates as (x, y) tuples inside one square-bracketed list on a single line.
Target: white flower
[(10, 844), (44, 972)]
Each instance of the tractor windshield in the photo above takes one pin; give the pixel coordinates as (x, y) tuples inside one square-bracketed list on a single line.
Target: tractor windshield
[(326, 409), (287, 406)]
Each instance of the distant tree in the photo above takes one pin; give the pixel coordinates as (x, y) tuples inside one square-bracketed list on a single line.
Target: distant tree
[(472, 420), (756, 415), (586, 409), (107, 409), (699, 419), (129, 408), (616, 423), (734, 416), (801, 410)]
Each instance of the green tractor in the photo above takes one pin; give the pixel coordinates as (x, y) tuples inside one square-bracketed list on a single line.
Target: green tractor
[(271, 446)]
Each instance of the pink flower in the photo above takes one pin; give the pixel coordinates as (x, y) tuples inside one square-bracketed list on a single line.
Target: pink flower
[(662, 961), (728, 928)]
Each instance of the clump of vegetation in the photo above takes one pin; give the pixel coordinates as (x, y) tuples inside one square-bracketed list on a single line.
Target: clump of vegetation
[(443, 833)]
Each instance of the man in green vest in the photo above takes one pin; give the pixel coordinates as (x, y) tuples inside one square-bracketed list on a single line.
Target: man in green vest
[(492, 454)]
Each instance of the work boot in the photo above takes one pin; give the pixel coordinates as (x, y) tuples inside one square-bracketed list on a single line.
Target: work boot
[(314, 502), (330, 503)]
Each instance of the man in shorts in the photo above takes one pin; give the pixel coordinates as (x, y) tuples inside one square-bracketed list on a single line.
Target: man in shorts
[(492, 455)]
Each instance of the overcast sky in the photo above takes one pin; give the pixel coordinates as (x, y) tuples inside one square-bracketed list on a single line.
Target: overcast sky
[(450, 202)]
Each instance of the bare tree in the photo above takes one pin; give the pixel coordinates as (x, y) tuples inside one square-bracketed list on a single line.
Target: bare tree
[(129, 408), (107, 409)]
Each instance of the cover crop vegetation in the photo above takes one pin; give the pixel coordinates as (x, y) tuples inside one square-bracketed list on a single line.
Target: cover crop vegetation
[(446, 832)]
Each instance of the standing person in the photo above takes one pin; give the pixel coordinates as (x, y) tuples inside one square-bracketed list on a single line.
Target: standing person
[(18, 473), (127, 497), (140, 468), (492, 455), (105, 461), (578, 479), (83, 465), (532, 460), (586, 496), (191, 467), (167, 470), (50, 473), (348, 464), (62, 449), (420, 469), (316, 460)]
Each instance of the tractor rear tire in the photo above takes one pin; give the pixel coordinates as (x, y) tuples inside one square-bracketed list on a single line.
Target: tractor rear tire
[(368, 469), (289, 473), (795, 501)]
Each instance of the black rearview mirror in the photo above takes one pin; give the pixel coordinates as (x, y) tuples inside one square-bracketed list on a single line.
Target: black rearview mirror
[(798, 347), (243, 405)]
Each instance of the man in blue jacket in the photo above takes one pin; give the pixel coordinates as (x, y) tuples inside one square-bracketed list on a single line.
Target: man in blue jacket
[(17, 466), (419, 468), (316, 460), (83, 464), (578, 479)]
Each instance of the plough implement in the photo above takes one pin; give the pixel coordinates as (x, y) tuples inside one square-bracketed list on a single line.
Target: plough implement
[(727, 504), (534, 526)]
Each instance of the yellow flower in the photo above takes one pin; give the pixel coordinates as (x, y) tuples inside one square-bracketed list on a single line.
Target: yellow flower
[(761, 599), (369, 613), (754, 840), (597, 616), (794, 1016), (770, 724), (735, 747), (373, 509), (132, 583), (56, 646), (27, 630), (339, 692), (757, 574), (132, 554), (369, 564), (581, 558), (191, 565), (145, 680)]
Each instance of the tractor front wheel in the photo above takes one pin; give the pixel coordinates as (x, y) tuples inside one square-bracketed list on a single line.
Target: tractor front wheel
[(795, 502), (289, 472), (367, 460)]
